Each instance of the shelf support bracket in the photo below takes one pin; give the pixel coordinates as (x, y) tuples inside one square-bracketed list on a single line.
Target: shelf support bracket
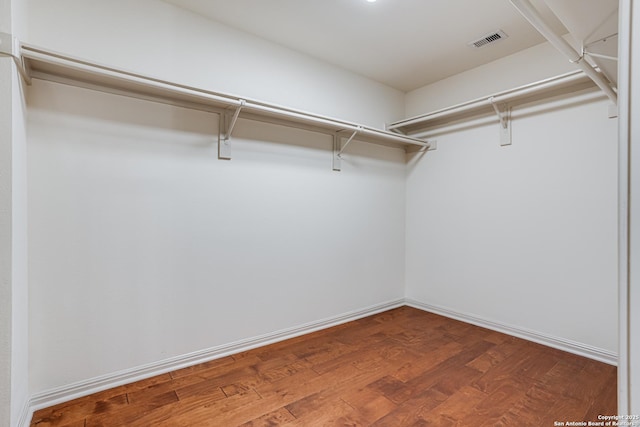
[(338, 150), (337, 160), (431, 145), (505, 122), (10, 47), (585, 48), (344, 147), (225, 130)]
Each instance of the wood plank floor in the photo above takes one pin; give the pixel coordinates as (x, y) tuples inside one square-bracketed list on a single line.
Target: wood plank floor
[(403, 367)]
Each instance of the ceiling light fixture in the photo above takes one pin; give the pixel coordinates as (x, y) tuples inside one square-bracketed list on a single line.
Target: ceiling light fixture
[(371, 1)]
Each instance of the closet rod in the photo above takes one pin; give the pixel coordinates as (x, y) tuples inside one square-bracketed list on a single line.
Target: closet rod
[(563, 80)]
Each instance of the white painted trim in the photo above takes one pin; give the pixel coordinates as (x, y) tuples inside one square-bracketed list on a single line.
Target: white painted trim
[(540, 338), (25, 415), (627, 68), (94, 385)]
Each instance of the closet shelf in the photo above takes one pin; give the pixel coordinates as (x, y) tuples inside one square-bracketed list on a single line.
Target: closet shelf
[(47, 65), (496, 103)]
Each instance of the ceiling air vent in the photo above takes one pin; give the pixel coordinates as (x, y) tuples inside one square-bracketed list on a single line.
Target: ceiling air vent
[(488, 39)]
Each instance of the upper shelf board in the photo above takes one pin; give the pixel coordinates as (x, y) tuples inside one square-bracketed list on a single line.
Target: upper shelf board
[(554, 86), (47, 65)]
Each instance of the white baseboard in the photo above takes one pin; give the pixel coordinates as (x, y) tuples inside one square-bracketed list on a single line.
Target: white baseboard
[(94, 385), (25, 415), (574, 347)]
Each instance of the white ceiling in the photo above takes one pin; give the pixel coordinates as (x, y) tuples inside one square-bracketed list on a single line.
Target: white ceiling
[(405, 44)]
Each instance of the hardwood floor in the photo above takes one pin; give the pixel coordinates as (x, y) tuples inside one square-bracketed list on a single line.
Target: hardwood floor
[(403, 367)]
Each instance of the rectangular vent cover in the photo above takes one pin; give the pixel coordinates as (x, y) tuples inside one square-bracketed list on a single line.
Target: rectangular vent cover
[(488, 39)]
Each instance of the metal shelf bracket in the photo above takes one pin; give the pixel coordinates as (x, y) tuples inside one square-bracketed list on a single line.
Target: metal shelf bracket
[(432, 145), (344, 147), (338, 149), (505, 121), (226, 126), (337, 160)]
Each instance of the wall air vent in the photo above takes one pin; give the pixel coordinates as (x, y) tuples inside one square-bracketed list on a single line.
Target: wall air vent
[(488, 39)]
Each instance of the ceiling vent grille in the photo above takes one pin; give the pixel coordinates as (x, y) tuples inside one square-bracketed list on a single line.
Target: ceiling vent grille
[(488, 39)]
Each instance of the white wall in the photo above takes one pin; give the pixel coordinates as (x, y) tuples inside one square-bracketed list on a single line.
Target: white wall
[(183, 47), (525, 235), (144, 246)]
